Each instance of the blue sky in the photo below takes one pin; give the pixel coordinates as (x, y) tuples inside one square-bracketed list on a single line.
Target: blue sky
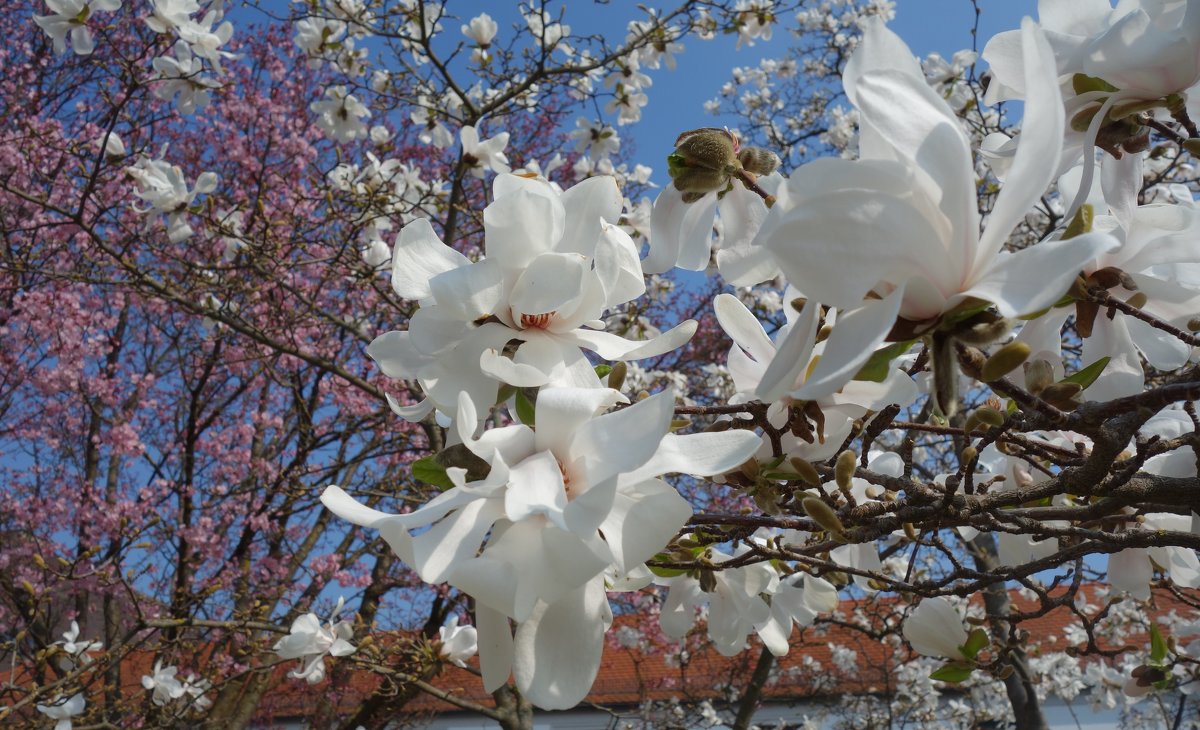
[(677, 98)]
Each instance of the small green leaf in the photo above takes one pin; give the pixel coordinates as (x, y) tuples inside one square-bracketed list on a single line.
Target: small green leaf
[(603, 370), (1082, 83), (665, 572), (1081, 223), (1088, 375), (878, 367), (525, 408), (976, 640), (429, 471), (952, 672), (1158, 646)]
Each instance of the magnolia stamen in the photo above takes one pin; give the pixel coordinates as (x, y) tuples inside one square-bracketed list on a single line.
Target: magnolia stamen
[(536, 321)]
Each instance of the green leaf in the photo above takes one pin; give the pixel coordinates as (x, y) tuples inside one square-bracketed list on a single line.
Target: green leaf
[(976, 640), (429, 471), (1082, 83), (603, 370), (525, 408), (878, 367), (1088, 375), (665, 572), (952, 672), (1081, 223), (1158, 646)]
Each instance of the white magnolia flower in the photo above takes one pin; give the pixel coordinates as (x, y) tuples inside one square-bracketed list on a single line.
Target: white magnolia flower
[(114, 148), (164, 188), (195, 688), (205, 40), (935, 628), (310, 642), (163, 683), (182, 78), (798, 368), (63, 710), (76, 648), (554, 267), (482, 29), (459, 643), (340, 115), (168, 15), (485, 155), (596, 139), (902, 222), (560, 505), (70, 18)]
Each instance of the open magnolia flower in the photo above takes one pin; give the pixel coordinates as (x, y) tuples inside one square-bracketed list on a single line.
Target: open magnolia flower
[(311, 642), (901, 223), (521, 315), (62, 710), (559, 505), (459, 643), (797, 368), (163, 685)]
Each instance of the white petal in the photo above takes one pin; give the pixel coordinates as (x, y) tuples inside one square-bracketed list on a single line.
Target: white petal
[(614, 347), (558, 648), (699, 454), (743, 327), (643, 519), (679, 231), (850, 345), (536, 487), (548, 284), (624, 440), (520, 226), (1130, 571), (792, 358), (419, 256), (495, 647)]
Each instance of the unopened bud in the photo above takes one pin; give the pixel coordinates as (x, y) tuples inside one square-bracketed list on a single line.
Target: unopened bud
[(1083, 119), (1193, 324), (824, 516), (806, 471), (823, 333), (1005, 360), (799, 302), (678, 423), (968, 455), (989, 416), (910, 532), (758, 160), (708, 581), (1039, 374), (843, 470), (1005, 672), (616, 376), (1060, 391), (1192, 145), (39, 561), (708, 147)]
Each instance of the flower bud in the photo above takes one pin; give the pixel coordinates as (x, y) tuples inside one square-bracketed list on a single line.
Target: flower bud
[(1138, 300), (1192, 146), (1193, 324), (843, 470), (824, 516), (758, 160), (709, 147), (968, 455), (616, 376), (1004, 361), (806, 471)]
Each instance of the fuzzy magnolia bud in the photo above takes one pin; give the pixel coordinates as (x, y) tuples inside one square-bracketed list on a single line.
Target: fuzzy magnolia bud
[(1039, 375), (1004, 361), (758, 160), (989, 416), (806, 471), (703, 161), (616, 376), (824, 516), (843, 470)]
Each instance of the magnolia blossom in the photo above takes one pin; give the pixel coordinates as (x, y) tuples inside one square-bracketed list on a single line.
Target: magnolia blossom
[(70, 18), (163, 684), (164, 188), (169, 15), (560, 504), (74, 647), (458, 643), (340, 115), (63, 710), (554, 266), (901, 223), (310, 642), (597, 139), (181, 78), (482, 29), (935, 628), (485, 155), (797, 368)]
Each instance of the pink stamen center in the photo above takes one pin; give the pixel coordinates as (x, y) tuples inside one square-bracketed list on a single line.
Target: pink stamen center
[(536, 321)]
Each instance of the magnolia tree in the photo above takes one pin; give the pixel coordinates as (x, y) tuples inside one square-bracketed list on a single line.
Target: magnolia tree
[(368, 300)]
